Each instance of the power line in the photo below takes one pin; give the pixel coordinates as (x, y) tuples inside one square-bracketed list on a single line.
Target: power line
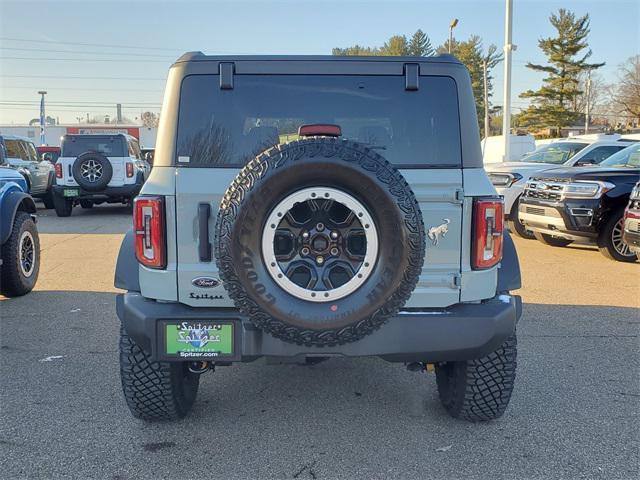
[(85, 52), (40, 59), (72, 89), (82, 78)]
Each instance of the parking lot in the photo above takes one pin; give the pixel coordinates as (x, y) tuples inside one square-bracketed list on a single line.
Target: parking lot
[(574, 413)]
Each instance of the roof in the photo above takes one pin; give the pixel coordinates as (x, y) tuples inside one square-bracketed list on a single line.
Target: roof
[(16, 137), (201, 57)]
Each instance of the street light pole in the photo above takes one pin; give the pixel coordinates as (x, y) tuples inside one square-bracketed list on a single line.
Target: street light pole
[(43, 140), (506, 104), (452, 25), (588, 95), (486, 99)]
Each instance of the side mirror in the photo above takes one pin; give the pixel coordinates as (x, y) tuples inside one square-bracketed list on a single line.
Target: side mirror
[(47, 157), (583, 162), (149, 157)]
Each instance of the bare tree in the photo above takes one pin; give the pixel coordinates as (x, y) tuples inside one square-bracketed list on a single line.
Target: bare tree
[(626, 92)]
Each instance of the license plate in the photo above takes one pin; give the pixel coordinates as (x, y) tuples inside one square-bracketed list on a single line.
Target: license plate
[(70, 192), (199, 339)]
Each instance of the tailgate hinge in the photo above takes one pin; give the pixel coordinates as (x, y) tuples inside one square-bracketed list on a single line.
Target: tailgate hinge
[(459, 196), (457, 281)]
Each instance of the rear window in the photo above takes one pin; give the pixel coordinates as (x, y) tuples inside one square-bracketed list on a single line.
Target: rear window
[(111, 146), (227, 128)]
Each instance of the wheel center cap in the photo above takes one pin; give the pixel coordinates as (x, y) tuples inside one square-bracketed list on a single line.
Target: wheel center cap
[(320, 243)]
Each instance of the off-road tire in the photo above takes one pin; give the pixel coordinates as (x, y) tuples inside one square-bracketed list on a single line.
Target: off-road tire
[(86, 204), (13, 282), (552, 241), (515, 226), (155, 390), (605, 240), (311, 162), (63, 206), (48, 200), (105, 178), (479, 390)]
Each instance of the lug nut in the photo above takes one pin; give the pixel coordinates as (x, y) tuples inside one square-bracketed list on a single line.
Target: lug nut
[(304, 251), (334, 251), (320, 227), (334, 234), (319, 260)]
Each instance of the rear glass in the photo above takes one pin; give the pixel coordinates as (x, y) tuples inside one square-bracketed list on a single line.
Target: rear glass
[(110, 146), (227, 128)]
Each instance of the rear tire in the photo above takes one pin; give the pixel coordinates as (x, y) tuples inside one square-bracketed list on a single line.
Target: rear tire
[(21, 257), (48, 200), (62, 206), (610, 241), (155, 390), (552, 241), (479, 390)]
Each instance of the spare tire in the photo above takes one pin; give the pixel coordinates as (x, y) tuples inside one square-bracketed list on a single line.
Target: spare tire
[(92, 171), (319, 241)]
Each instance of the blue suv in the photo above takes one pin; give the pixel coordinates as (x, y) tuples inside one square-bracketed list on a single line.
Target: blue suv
[(19, 241)]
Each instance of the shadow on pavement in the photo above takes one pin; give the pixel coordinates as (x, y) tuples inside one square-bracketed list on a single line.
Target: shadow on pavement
[(105, 218), (344, 418)]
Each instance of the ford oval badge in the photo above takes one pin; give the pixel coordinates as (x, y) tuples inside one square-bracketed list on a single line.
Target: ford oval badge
[(205, 282)]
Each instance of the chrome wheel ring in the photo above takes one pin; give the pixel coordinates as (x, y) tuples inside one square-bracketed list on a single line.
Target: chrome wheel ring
[(319, 244), (27, 254)]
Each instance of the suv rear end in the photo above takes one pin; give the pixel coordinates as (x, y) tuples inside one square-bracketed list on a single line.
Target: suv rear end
[(312, 207), (94, 169)]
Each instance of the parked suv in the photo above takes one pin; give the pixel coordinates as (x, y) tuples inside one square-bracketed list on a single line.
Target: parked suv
[(93, 169), (19, 242), (510, 178), (316, 207), (584, 204), (20, 154), (631, 234)]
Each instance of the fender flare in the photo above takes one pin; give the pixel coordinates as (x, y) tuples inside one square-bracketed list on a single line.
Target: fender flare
[(127, 277), (11, 203), (509, 271)]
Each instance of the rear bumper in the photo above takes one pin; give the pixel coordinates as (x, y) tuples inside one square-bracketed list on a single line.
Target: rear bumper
[(462, 332), (125, 191)]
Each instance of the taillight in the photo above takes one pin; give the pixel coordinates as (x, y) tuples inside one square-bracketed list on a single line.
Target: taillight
[(129, 169), (488, 225), (149, 229), (58, 168)]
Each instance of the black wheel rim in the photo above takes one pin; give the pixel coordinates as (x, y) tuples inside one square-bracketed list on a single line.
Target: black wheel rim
[(26, 254)]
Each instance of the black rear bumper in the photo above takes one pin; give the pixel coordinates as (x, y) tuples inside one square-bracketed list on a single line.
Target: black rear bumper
[(461, 332), (124, 191)]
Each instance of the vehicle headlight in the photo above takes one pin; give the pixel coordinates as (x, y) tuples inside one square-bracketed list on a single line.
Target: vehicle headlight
[(504, 179), (586, 189)]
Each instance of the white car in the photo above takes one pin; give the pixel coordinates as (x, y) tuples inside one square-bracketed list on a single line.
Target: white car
[(509, 178), (93, 169)]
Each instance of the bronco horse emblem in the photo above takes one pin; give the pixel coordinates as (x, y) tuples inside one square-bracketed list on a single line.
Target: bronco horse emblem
[(434, 233)]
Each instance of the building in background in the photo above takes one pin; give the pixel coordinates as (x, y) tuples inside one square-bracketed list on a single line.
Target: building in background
[(145, 135)]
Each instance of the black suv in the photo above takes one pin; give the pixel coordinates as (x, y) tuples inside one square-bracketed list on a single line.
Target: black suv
[(584, 204)]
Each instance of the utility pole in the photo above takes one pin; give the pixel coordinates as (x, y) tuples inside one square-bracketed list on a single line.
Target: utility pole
[(486, 100), (506, 104), (588, 101), (118, 113), (43, 139), (452, 25)]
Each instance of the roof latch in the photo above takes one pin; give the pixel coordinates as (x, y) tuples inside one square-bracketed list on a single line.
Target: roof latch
[(226, 76), (411, 75)]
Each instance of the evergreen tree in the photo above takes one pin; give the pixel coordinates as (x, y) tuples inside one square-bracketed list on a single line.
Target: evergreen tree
[(552, 104), (420, 45)]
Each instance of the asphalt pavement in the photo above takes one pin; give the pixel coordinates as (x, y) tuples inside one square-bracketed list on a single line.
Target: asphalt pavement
[(574, 412)]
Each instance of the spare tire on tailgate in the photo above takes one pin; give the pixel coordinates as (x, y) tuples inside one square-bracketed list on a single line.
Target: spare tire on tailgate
[(319, 241), (92, 171)]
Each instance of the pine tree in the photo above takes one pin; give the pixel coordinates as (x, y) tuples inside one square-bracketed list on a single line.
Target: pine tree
[(420, 45), (552, 104)]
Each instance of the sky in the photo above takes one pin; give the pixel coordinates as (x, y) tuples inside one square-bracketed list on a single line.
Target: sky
[(92, 54)]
